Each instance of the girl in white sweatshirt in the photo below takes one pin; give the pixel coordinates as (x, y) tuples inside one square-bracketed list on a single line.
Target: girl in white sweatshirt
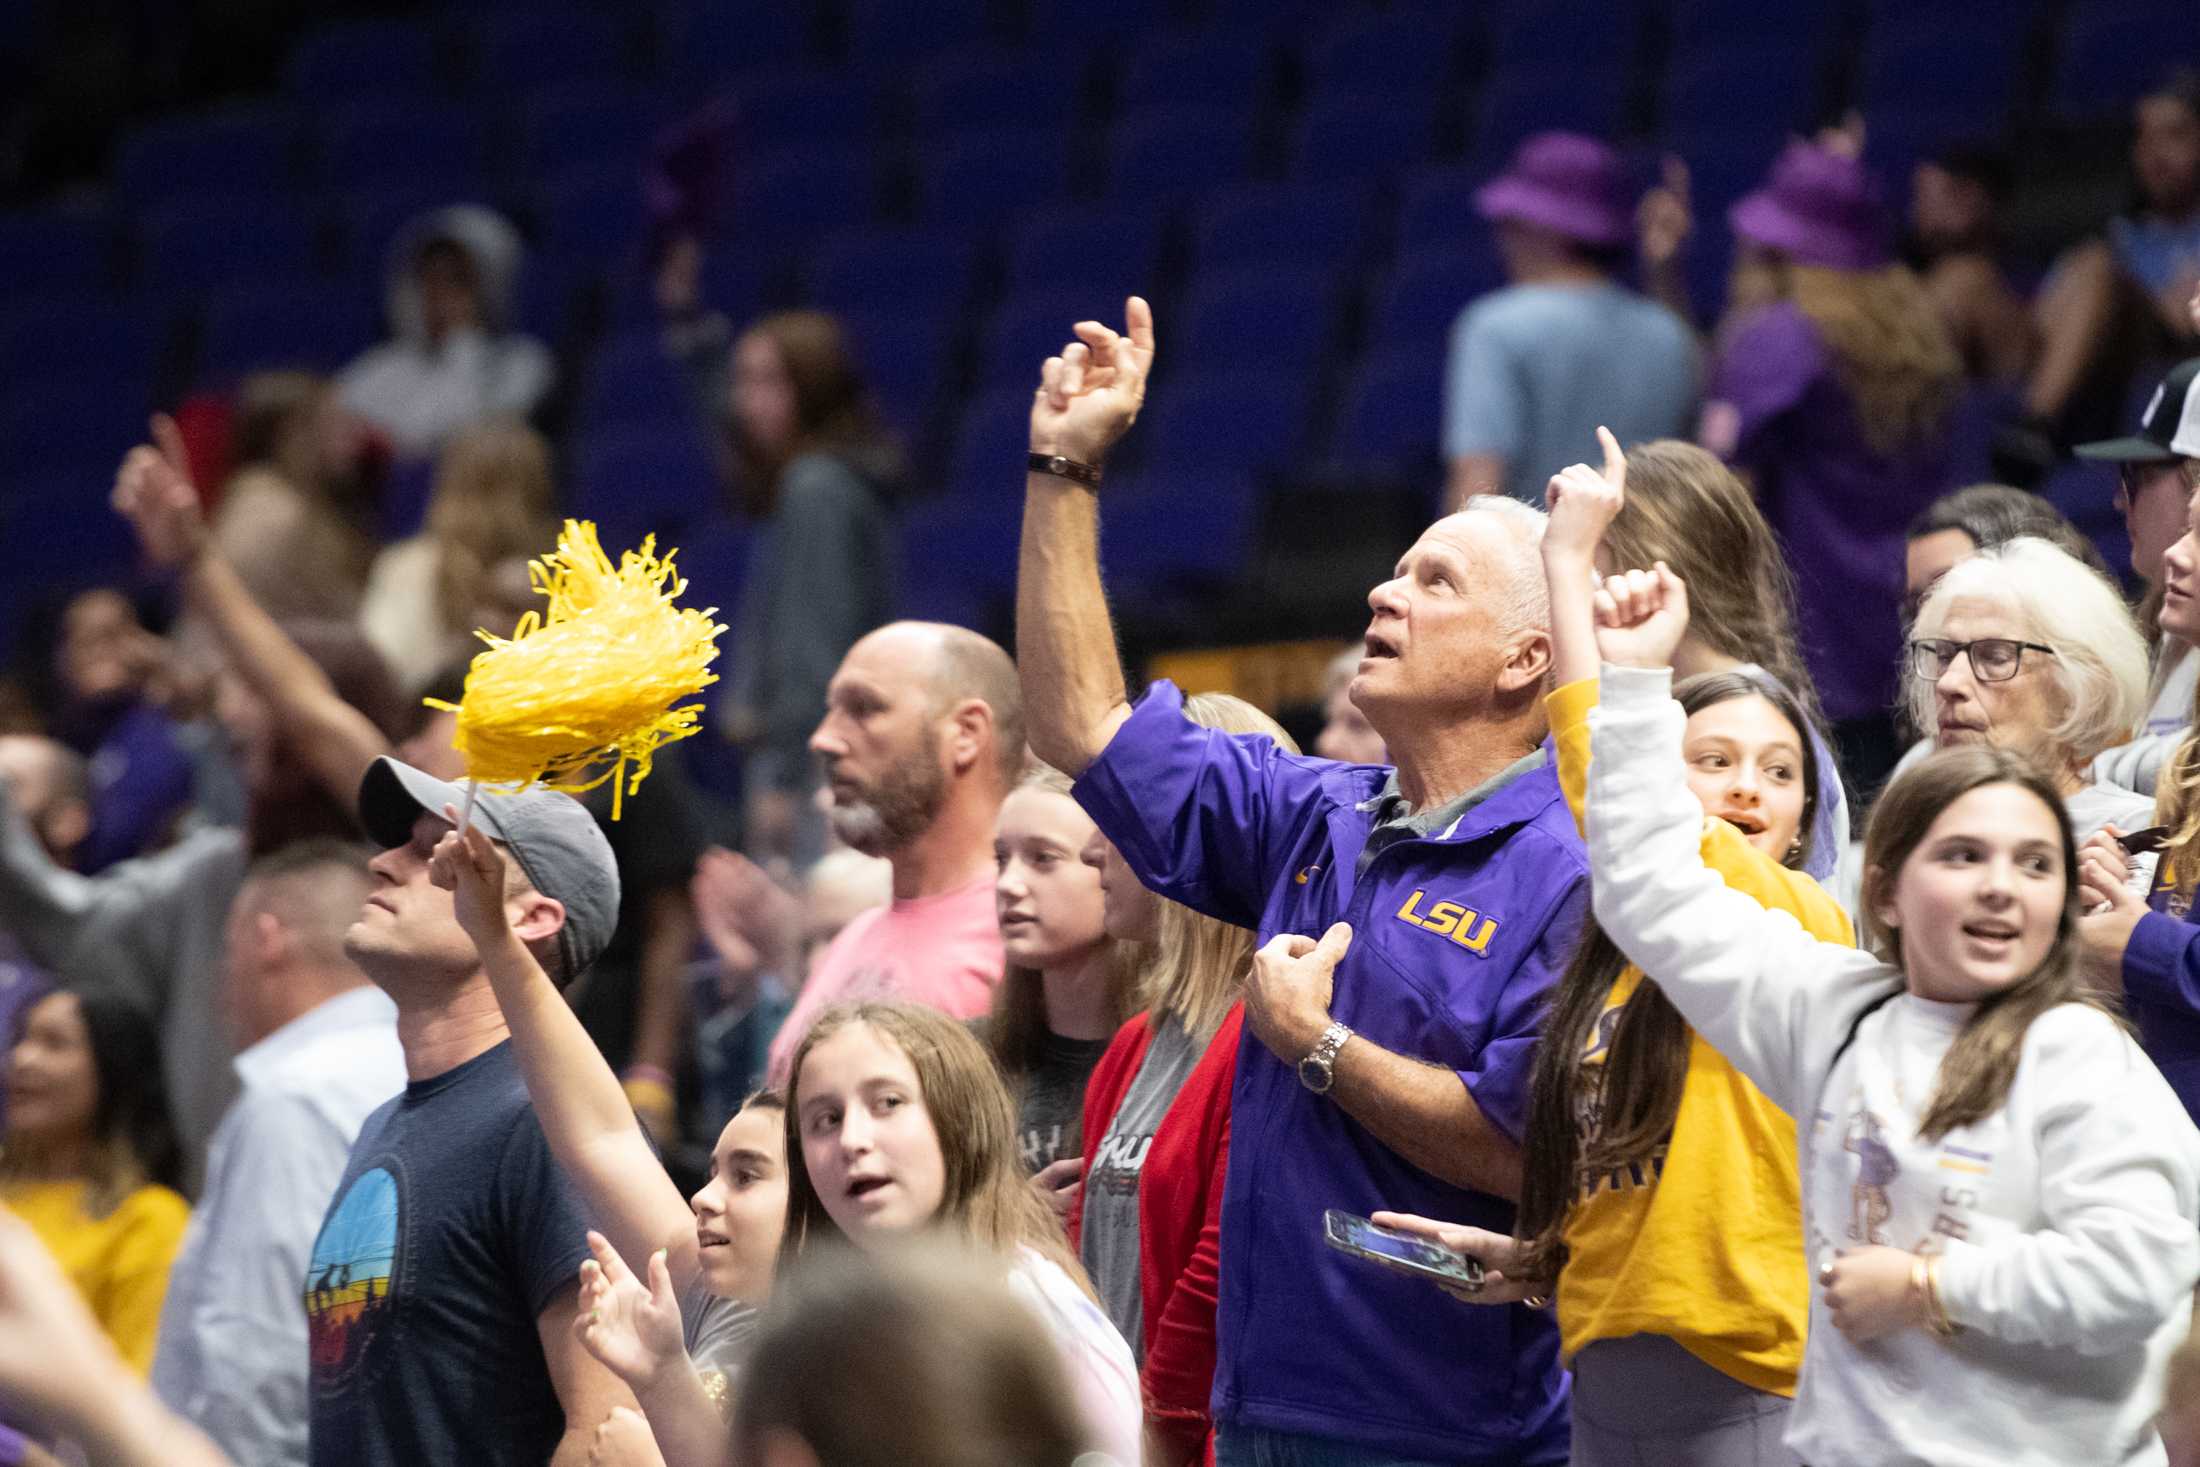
[(2001, 1196)]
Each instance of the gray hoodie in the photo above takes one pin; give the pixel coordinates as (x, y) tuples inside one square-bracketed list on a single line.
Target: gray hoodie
[(422, 393)]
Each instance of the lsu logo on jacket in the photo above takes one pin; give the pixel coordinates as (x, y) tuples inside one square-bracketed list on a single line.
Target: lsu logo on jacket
[(1450, 920)]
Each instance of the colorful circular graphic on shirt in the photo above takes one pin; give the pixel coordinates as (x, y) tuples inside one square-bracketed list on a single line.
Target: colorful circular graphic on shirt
[(349, 1283)]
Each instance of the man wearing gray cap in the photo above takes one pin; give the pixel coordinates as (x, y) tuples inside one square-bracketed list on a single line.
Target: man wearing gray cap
[(441, 1294)]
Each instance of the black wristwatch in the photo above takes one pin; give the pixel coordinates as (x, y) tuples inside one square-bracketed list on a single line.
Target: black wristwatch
[(1064, 468)]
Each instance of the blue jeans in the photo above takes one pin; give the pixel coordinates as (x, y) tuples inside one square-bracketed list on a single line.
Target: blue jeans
[(1241, 1446)]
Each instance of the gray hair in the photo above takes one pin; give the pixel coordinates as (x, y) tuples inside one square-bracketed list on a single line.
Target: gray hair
[(1524, 599), (2100, 662)]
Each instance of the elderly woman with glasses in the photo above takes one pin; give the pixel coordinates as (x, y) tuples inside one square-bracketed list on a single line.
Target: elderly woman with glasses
[(2028, 649)]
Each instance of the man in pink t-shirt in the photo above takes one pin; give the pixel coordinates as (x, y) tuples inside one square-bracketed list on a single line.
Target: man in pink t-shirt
[(922, 737)]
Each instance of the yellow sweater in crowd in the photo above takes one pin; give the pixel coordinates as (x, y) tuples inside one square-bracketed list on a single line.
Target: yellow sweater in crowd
[(119, 1262), (1702, 1244)]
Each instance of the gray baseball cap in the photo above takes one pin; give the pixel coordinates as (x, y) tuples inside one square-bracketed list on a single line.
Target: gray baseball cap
[(556, 841)]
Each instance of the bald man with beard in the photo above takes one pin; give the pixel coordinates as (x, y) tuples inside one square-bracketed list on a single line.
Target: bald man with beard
[(922, 737)]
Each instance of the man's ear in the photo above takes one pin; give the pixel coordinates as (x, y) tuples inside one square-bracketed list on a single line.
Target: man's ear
[(270, 940), (1527, 661), (535, 917), (67, 824), (970, 734)]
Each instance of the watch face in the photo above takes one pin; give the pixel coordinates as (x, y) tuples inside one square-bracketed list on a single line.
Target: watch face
[(1314, 1075)]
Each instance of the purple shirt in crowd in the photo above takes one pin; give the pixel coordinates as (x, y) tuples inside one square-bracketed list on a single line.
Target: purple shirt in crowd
[(1456, 937), (1839, 508), (2162, 990), (140, 780)]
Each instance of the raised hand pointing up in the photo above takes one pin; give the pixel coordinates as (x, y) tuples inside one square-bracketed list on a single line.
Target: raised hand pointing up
[(1089, 396)]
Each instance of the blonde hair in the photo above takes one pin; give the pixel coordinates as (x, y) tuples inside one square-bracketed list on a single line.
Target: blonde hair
[(1199, 963), (492, 503), (1016, 1030), (1890, 349), (2100, 662)]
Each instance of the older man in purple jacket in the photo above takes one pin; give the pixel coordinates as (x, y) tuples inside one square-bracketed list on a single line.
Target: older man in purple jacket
[(1390, 1070)]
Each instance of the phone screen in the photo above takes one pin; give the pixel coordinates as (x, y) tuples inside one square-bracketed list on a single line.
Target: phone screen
[(1353, 1234)]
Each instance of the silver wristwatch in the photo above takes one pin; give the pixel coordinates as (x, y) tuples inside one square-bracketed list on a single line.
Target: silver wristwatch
[(1318, 1071)]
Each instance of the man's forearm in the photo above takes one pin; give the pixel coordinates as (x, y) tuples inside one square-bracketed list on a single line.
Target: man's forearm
[(1074, 697), (1425, 1114)]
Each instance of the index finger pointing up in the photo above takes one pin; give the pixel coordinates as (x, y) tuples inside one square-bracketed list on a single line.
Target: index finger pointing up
[(1138, 318), (1615, 462)]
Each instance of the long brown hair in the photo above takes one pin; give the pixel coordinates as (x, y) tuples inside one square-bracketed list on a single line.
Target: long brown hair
[(1890, 349), (1688, 509), (1199, 964), (1976, 1072), (492, 503), (834, 411), (1016, 1030), (987, 1198), (1588, 1120)]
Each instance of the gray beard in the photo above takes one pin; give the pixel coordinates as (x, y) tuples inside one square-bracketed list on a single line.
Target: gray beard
[(900, 808)]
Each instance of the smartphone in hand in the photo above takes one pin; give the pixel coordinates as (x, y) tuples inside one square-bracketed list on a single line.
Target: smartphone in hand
[(1350, 1233)]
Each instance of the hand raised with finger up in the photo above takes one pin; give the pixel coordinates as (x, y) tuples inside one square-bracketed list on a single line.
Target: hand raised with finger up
[(1583, 503), (1089, 396), (154, 492)]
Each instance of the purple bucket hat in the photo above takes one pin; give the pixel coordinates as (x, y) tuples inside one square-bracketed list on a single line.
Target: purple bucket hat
[(1566, 183), (1818, 208)]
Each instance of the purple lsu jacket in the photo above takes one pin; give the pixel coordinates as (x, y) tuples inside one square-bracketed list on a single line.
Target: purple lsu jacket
[(1454, 942)]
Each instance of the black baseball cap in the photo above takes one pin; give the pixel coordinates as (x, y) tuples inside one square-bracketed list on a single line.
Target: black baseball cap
[(553, 837), (2168, 429)]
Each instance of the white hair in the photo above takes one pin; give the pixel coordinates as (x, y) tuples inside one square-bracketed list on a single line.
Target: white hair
[(1524, 599), (2100, 662)]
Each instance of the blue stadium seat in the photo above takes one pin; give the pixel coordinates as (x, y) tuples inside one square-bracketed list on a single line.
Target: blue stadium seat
[(1222, 68), (796, 197), (1764, 87), (523, 48), (1804, 23), (1282, 223), (94, 338), (67, 507), (249, 327), (1588, 37), (989, 445), (1356, 137), (1408, 52), (958, 561), (57, 249), (1000, 89), (874, 270), (649, 480), (352, 59), (241, 149), (1393, 411), (705, 42), (1425, 294), (1437, 209), (70, 430), (1956, 61), (1030, 327), (595, 123), (893, 31), (385, 143), (1271, 314), (631, 384), (904, 356), (213, 240), (1192, 509), (1520, 101), (589, 219), (1085, 27), (978, 180), (1109, 252), (2109, 55), (805, 108), (1161, 155)]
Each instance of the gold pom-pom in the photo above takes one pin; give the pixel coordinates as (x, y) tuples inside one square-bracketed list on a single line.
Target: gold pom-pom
[(582, 691)]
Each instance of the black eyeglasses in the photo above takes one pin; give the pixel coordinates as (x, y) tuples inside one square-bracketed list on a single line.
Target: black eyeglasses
[(1993, 659)]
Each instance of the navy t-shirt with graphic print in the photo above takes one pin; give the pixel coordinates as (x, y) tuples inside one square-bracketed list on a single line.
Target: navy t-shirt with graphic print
[(452, 1230)]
